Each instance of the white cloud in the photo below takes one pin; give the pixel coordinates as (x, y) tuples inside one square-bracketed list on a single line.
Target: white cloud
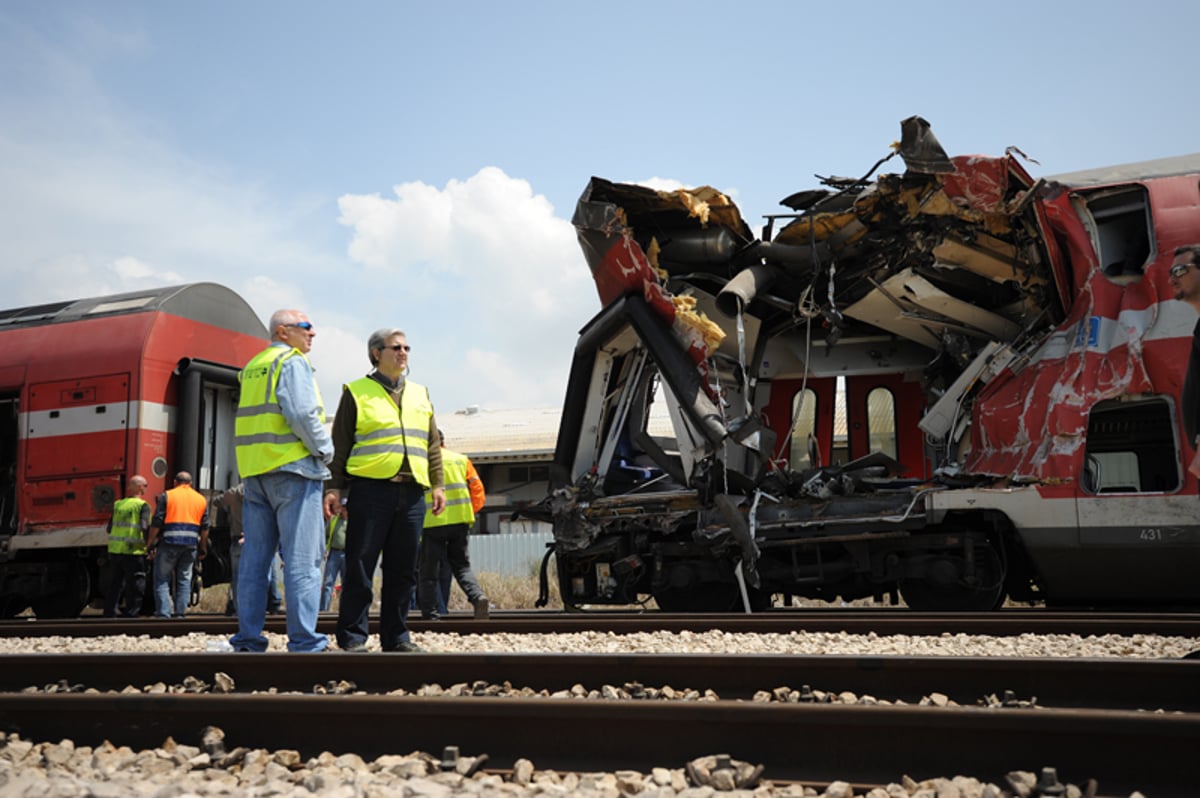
[(490, 286)]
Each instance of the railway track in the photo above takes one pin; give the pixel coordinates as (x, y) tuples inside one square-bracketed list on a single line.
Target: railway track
[(853, 621), (1088, 728)]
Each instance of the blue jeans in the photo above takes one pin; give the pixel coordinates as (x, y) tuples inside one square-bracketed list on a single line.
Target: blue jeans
[(176, 561), (281, 512), (382, 517), (274, 584), (335, 568)]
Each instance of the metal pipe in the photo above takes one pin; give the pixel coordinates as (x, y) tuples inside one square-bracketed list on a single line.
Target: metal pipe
[(741, 290)]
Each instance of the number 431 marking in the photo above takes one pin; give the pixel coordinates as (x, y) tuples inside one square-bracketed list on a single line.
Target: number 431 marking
[(1150, 534)]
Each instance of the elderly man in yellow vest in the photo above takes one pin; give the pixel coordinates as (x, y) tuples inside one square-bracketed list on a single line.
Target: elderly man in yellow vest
[(388, 456), (127, 529), (282, 453), (444, 539), (178, 533)]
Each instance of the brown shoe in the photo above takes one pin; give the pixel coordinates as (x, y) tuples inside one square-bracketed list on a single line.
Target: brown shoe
[(481, 608)]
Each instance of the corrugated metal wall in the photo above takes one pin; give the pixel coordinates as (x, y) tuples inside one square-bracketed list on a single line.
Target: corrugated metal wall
[(517, 551)]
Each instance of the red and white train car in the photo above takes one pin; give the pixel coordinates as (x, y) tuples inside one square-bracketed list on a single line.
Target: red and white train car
[(92, 392)]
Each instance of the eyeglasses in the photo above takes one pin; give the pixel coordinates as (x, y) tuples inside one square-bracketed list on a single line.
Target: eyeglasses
[(1180, 269), (399, 348), (303, 325)]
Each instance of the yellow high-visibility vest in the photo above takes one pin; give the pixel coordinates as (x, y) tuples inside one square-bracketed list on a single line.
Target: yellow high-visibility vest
[(127, 535), (262, 437), (383, 437), (458, 493)]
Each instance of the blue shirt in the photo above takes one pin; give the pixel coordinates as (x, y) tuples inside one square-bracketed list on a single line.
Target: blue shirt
[(298, 401)]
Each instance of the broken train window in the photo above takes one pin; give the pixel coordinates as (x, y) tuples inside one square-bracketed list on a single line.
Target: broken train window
[(1121, 230)]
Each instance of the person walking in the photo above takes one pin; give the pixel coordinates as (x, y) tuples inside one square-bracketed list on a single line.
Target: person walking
[(127, 530), (335, 557), (386, 457), (444, 542), (178, 535), (283, 450)]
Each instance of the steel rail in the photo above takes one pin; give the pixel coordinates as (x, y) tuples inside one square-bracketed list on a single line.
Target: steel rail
[(1054, 682), (1124, 751), (882, 622)]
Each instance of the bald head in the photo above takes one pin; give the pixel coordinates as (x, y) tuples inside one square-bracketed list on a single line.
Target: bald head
[(137, 485), (183, 478)]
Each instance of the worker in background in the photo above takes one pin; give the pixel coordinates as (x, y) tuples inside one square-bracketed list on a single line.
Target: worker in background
[(444, 540), (388, 455), (335, 556), (231, 500), (127, 530), (178, 535), (283, 450)]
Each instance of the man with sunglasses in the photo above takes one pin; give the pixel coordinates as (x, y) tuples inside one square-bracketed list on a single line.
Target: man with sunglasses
[(283, 451), (387, 456), (1185, 282)]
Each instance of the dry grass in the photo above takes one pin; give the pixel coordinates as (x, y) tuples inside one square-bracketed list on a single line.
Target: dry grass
[(503, 592)]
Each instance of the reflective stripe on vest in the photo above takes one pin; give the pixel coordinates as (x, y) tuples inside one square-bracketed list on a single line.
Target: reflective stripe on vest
[(262, 437), (127, 535), (458, 494), (185, 511), (381, 439)]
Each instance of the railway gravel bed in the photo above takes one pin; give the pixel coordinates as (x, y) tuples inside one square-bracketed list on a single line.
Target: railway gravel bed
[(1142, 646), (882, 622), (1126, 750)]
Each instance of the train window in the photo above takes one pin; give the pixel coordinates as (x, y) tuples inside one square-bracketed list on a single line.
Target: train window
[(1121, 227), (804, 429), (881, 421), (1131, 448)]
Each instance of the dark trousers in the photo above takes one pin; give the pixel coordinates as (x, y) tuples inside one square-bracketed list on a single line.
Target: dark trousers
[(128, 579), (441, 545), (382, 517)]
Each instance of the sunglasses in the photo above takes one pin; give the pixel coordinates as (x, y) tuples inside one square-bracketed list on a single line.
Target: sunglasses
[(399, 348), (1180, 269), (303, 325)]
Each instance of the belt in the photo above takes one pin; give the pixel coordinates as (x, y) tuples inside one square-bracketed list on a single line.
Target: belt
[(403, 478)]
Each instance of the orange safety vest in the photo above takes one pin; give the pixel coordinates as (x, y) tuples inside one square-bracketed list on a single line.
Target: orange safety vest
[(185, 513)]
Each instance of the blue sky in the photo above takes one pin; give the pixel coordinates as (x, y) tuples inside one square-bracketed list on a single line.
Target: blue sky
[(417, 164)]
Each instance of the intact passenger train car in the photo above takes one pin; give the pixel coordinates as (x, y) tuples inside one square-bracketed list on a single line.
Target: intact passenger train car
[(92, 392)]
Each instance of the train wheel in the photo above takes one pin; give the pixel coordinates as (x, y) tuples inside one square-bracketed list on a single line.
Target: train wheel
[(75, 589), (710, 597), (12, 605), (945, 590)]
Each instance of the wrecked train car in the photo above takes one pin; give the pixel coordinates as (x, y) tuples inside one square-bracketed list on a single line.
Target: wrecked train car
[(956, 384)]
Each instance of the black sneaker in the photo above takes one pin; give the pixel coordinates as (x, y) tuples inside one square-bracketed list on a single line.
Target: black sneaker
[(408, 647), (357, 648)]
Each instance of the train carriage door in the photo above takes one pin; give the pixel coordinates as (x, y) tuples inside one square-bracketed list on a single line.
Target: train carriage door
[(218, 466), (1129, 501), (207, 405), (882, 412), (9, 406)]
